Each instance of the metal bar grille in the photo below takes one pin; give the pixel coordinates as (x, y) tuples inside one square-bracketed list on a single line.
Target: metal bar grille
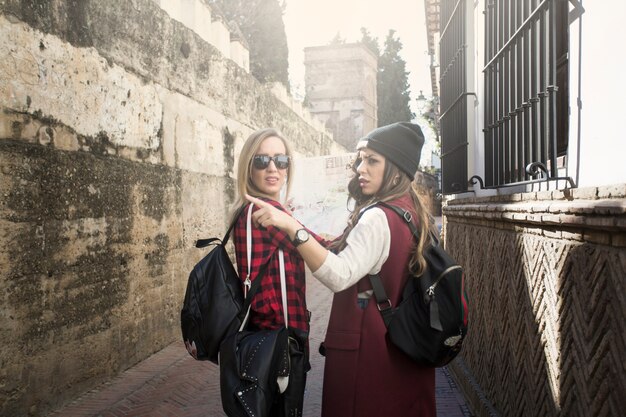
[(453, 119), (520, 90)]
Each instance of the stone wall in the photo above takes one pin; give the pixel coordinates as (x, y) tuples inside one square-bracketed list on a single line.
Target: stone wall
[(198, 16), (119, 134), (546, 281)]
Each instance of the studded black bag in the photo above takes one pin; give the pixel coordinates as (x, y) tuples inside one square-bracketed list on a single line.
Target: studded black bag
[(262, 372)]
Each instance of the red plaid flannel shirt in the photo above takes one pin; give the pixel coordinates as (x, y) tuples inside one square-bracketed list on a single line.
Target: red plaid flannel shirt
[(266, 310)]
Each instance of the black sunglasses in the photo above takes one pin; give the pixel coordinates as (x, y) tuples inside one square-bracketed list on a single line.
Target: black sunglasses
[(263, 161)]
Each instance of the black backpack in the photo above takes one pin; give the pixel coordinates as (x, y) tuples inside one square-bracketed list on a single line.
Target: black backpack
[(214, 305), (430, 322), (213, 301)]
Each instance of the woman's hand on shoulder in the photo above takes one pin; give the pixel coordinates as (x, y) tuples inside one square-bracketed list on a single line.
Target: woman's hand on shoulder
[(268, 215)]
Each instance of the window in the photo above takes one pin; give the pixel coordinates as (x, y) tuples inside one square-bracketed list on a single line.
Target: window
[(526, 115), (525, 103)]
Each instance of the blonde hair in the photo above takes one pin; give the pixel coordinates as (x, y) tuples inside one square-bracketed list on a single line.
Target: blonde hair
[(244, 168), (391, 189)]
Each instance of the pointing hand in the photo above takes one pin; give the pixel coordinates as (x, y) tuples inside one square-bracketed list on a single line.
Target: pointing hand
[(268, 215)]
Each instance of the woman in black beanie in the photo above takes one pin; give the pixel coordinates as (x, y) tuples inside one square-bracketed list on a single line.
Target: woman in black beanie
[(365, 375)]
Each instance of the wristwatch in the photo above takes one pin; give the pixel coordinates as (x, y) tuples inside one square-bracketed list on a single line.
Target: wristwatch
[(301, 236)]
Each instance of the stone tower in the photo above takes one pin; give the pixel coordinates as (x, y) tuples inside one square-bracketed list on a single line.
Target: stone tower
[(340, 85)]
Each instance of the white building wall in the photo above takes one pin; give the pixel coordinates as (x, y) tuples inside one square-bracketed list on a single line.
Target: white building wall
[(473, 35), (476, 84), (603, 93)]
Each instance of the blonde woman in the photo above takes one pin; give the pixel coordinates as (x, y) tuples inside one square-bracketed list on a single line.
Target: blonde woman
[(265, 170), (365, 375)]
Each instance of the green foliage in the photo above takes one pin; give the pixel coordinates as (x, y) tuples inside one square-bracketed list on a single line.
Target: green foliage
[(393, 84), (370, 42), (337, 40), (261, 22)]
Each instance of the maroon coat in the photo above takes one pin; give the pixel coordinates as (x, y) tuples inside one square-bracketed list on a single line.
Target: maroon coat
[(365, 375)]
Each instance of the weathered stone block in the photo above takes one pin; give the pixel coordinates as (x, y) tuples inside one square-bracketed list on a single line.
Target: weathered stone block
[(577, 235), (601, 222), (618, 240), (544, 195), (587, 193), (519, 216), (48, 76), (572, 220), (550, 219), (552, 233), (598, 237), (612, 191)]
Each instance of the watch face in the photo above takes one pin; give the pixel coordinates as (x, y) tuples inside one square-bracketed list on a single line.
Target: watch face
[(302, 236)]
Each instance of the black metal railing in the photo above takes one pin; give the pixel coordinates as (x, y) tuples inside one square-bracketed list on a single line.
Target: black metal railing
[(526, 93), (453, 101), (522, 106)]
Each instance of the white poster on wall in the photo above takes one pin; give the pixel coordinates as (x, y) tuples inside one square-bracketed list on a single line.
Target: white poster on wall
[(319, 193)]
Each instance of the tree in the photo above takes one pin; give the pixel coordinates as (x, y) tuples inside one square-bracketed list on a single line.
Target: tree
[(393, 84), (370, 42), (337, 40), (261, 22)]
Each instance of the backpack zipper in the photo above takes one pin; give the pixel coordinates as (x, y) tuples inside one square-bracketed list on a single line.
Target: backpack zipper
[(431, 290)]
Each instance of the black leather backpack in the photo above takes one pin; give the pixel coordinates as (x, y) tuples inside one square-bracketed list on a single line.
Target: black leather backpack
[(213, 301)]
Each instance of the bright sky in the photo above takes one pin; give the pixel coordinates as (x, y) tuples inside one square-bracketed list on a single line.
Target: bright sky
[(316, 22)]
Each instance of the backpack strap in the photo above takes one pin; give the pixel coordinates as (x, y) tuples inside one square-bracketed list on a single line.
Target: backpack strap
[(408, 218), (406, 215), (382, 299), (201, 243), (253, 286)]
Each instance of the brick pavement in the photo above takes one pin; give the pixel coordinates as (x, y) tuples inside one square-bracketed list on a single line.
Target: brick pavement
[(171, 383)]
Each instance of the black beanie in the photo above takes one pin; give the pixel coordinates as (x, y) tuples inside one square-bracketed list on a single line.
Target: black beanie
[(400, 142)]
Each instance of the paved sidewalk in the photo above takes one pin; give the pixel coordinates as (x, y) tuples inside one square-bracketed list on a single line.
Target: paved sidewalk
[(171, 383)]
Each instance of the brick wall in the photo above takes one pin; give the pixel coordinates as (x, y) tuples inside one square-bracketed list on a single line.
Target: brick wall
[(545, 277)]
